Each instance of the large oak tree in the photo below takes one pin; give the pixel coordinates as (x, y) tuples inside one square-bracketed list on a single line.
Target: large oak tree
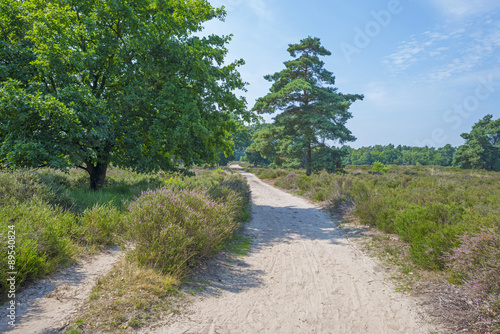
[(313, 113), (86, 83)]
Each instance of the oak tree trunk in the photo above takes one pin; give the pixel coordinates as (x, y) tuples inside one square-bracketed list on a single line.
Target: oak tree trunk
[(97, 175), (97, 170)]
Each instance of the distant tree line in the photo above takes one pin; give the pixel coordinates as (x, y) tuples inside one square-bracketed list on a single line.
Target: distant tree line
[(399, 155), (481, 150)]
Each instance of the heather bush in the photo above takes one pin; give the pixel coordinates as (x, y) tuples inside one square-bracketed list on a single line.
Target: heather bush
[(52, 225), (43, 239), (172, 226), (25, 185), (233, 191), (57, 218), (204, 179), (99, 226), (265, 173), (476, 264)]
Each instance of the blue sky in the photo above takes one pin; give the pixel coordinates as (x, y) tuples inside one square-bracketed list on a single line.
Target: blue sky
[(429, 69)]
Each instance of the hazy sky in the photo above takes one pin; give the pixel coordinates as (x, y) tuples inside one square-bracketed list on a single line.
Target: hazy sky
[(429, 69)]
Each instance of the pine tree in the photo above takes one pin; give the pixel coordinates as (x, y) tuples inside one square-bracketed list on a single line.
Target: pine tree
[(482, 146), (313, 113)]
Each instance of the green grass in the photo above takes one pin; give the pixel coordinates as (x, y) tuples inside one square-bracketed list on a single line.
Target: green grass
[(56, 218), (239, 245), (43, 240)]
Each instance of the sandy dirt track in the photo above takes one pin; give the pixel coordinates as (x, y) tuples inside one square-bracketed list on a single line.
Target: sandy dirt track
[(302, 275), (45, 305)]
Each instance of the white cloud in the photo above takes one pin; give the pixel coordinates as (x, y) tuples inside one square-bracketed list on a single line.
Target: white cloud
[(261, 9), (376, 92), (445, 52), (417, 49)]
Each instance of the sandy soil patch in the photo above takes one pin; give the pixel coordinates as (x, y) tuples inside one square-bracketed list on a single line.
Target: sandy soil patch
[(46, 305)]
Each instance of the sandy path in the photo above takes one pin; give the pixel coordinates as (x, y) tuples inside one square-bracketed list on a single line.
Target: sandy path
[(301, 276), (45, 305)]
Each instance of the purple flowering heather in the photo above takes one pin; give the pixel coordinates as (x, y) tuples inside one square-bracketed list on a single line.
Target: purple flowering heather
[(476, 264), (171, 226)]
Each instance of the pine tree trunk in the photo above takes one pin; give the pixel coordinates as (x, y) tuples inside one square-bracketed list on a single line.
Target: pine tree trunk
[(308, 162)]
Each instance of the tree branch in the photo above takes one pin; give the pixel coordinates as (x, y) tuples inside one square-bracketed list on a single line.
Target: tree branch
[(96, 81), (81, 167), (53, 85), (103, 82)]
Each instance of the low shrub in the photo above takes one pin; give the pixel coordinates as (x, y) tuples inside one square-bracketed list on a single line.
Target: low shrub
[(42, 239), (100, 225), (173, 226), (233, 191), (476, 264), (379, 167), (56, 217), (271, 173), (22, 186)]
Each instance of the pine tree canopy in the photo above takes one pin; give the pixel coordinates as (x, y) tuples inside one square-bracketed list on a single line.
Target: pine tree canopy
[(482, 146), (312, 113)]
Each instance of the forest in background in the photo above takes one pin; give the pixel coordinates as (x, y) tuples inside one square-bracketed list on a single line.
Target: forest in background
[(481, 150), (400, 155)]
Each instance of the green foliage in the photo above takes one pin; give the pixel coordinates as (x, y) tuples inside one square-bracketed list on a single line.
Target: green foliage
[(265, 173), (87, 84), (400, 155), (43, 239), (100, 225), (265, 146), (312, 112), (482, 146), (24, 186), (256, 144), (256, 158), (379, 167), (242, 138)]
